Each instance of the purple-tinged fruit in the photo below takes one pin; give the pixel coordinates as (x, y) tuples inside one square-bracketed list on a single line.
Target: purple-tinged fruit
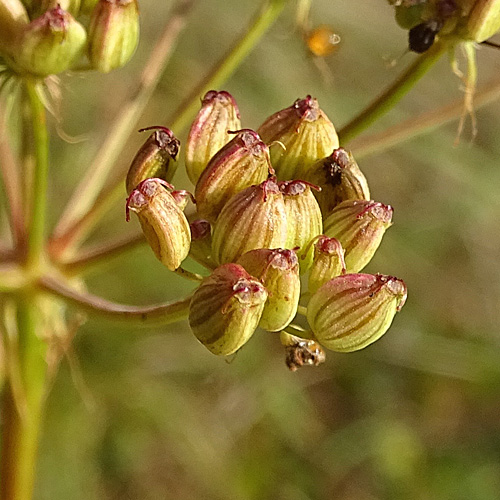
[(278, 271), (209, 131), (352, 311), (156, 158), (226, 309), (328, 262), (359, 225), (253, 218), (163, 223), (242, 162), (298, 136)]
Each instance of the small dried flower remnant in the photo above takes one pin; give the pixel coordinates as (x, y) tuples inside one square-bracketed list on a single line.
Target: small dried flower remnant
[(301, 352)]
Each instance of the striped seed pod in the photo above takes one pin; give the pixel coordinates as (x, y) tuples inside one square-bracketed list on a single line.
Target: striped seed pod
[(253, 218), (218, 115), (163, 223), (304, 220), (328, 262), (351, 311), (359, 226), (242, 162), (156, 158), (278, 271), (226, 309), (298, 136), (340, 179), (50, 44), (113, 34)]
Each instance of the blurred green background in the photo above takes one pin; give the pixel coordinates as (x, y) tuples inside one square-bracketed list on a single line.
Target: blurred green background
[(150, 414)]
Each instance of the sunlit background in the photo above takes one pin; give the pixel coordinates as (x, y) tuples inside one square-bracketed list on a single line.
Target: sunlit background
[(151, 414)]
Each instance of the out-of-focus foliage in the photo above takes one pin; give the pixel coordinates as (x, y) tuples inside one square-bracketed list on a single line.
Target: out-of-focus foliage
[(153, 415)]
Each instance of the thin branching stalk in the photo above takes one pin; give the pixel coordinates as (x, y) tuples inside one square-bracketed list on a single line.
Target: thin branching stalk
[(76, 232), (90, 186), (91, 259), (160, 314), (423, 124), (391, 96), (10, 172)]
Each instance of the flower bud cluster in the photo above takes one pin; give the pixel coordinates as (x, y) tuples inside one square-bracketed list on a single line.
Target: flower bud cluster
[(271, 205), (48, 37)]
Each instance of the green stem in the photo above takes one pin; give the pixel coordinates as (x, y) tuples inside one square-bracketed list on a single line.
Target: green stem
[(160, 314), (93, 259), (36, 228), (228, 64), (22, 415), (390, 97), (73, 234), (422, 124)]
